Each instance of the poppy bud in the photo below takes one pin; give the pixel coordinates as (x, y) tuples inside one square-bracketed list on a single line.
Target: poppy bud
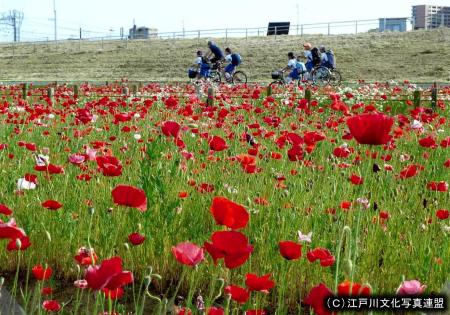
[(91, 211), (139, 226), (147, 281), (348, 266), (49, 237), (127, 247), (2, 281), (18, 244)]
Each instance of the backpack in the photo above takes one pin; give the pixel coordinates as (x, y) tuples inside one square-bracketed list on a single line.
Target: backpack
[(236, 59), (316, 60), (300, 67), (331, 59)]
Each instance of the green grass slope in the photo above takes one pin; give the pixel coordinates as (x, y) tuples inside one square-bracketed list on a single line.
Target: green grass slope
[(419, 56)]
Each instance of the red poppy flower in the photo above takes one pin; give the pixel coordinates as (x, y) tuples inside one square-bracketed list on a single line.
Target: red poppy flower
[(86, 256), (410, 171), (228, 213), (170, 128), (41, 273), (232, 246), (290, 250), (347, 288), (316, 299), (184, 311), (341, 152), (295, 153), (108, 275), (255, 283), (9, 230), (215, 311), (52, 204), (114, 294), (311, 137), (136, 238), (445, 143), (370, 128), (51, 169), (31, 147), (322, 254), (205, 188), (47, 291), (238, 294), (438, 186), (356, 180), (443, 214), (130, 196), (188, 254), (217, 144), (5, 210), (447, 163), (109, 165), (51, 306), (428, 142)]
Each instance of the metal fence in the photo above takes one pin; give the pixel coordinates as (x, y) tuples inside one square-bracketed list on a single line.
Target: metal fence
[(327, 28)]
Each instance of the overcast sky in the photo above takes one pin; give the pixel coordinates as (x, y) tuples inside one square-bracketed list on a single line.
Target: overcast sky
[(106, 17)]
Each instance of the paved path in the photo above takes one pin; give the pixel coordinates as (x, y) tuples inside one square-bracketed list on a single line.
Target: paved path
[(8, 306)]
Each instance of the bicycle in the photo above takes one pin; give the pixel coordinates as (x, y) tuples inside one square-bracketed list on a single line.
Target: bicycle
[(280, 79), (321, 75), (237, 77), (336, 77)]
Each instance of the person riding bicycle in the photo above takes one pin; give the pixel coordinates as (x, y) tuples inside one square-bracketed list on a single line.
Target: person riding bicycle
[(216, 51), (295, 66), (312, 55), (234, 60), (201, 65), (327, 57)]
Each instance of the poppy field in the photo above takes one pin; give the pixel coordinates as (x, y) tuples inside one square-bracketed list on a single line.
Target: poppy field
[(248, 200)]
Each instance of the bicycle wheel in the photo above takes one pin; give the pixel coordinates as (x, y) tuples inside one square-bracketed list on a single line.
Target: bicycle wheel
[(321, 76), (214, 76), (335, 78), (239, 77)]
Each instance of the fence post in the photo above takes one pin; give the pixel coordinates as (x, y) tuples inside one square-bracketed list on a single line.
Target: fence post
[(416, 100), (258, 32), (275, 33), (198, 37), (301, 30), (14, 49), (246, 35), (75, 91), (356, 27), (434, 94), (210, 100), (126, 43), (328, 28), (24, 91), (135, 89), (226, 36), (102, 43), (50, 92), (79, 44)]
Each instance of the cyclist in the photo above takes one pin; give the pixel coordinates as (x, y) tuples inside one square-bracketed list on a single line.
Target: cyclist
[(327, 57), (201, 65), (312, 56), (216, 51), (294, 66), (234, 60)]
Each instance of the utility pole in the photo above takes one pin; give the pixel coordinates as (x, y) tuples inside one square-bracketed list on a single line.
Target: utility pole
[(54, 11)]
